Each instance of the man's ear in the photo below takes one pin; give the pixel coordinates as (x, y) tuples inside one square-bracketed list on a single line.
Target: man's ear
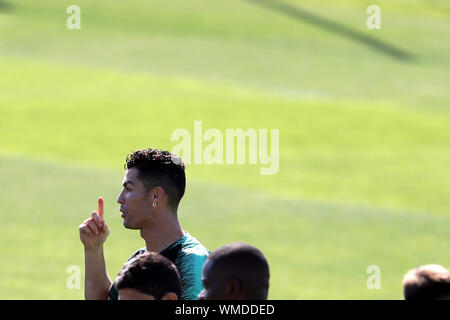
[(234, 289), (156, 193), (170, 296)]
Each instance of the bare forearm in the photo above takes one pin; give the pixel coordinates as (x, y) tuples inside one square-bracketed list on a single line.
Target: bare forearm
[(97, 282)]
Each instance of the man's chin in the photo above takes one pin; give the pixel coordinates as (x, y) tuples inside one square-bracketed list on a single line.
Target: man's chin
[(128, 225)]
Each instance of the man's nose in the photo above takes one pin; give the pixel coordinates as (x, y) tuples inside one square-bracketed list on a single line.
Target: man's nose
[(120, 199)]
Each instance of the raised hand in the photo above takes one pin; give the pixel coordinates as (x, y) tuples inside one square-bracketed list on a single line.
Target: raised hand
[(94, 231)]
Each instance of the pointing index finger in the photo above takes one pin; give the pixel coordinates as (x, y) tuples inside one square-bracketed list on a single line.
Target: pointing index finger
[(100, 208)]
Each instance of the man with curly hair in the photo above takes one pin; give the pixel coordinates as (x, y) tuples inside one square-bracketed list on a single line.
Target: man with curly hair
[(149, 276), (427, 282), (153, 186)]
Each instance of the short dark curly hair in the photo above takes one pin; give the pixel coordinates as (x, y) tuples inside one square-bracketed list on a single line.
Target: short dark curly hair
[(160, 168), (150, 273), (427, 282)]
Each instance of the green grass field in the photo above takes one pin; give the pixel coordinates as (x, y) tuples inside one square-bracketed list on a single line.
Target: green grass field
[(364, 173)]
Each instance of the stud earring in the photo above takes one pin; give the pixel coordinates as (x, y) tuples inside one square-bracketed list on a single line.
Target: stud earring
[(154, 204)]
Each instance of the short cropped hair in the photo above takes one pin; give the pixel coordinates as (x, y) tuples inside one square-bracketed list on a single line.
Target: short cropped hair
[(428, 282), (160, 168), (150, 273), (245, 263)]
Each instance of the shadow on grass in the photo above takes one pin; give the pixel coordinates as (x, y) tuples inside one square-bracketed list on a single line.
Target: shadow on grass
[(335, 27)]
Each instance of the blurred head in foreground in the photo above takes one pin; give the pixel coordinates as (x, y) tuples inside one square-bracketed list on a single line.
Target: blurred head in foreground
[(236, 271), (149, 276), (428, 282)]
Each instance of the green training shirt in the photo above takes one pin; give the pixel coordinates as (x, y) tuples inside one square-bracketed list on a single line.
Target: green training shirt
[(188, 255)]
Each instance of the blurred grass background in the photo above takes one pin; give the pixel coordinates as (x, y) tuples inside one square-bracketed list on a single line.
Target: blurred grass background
[(364, 135)]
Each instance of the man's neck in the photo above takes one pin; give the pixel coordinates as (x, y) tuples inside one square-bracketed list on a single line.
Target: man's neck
[(160, 236)]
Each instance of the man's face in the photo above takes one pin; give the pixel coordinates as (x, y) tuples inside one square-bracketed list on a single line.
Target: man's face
[(215, 286), (134, 201), (133, 294)]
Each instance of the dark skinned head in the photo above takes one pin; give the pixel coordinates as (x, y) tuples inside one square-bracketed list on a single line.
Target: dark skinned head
[(236, 271)]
